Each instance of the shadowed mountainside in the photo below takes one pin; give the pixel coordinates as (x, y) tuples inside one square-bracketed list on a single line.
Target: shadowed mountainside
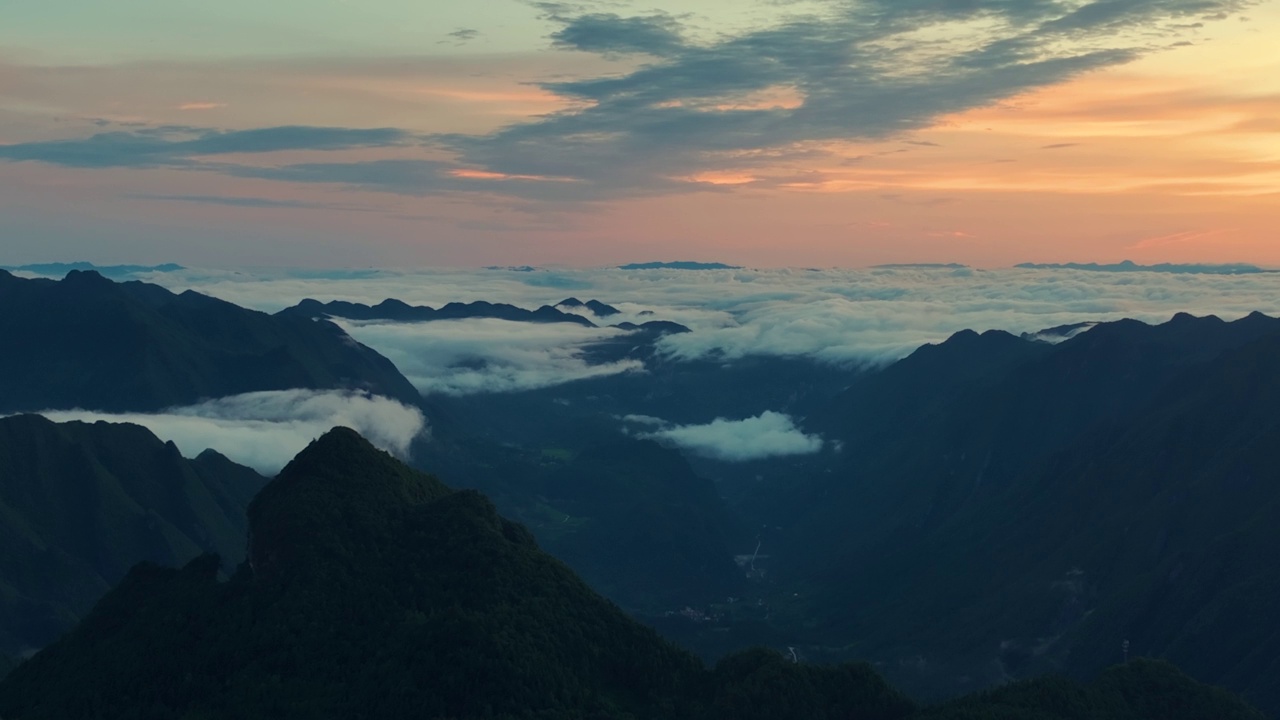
[(88, 342), (82, 503), (1008, 507)]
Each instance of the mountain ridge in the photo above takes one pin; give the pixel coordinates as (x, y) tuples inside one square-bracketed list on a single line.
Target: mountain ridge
[(92, 343)]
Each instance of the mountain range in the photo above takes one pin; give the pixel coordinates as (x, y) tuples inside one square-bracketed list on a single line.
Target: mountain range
[(1050, 501), (984, 511), (372, 590), (393, 310), (87, 342)]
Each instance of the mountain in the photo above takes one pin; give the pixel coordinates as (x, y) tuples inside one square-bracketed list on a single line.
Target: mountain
[(111, 271), (1130, 266), (1008, 507), (679, 265), (398, 311), (88, 342), (80, 504), (1139, 689), (371, 590), (598, 308), (374, 591)]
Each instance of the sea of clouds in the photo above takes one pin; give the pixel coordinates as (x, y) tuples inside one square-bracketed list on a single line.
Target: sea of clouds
[(836, 316), (264, 430)]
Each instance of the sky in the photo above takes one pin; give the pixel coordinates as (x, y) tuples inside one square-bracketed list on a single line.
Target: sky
[(766, 133)]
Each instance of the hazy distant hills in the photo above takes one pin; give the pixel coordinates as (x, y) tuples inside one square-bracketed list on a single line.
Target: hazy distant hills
[(82, 503), (1130, 266), (374, 591), (88, 342), (60, 269), (679, 265)]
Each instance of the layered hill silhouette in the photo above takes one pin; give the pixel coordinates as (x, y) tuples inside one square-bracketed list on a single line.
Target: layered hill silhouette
[(393, 310), (87, 342), (373, 591), (399, 311), (82, 503)]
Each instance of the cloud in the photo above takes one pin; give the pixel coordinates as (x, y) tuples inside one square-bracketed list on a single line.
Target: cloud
[(176, 146), (247, 202), (608, 33), (856, 72), (264, 430), (463, 357), (769, 434), (464, 35), (837, 316), (683, 107)]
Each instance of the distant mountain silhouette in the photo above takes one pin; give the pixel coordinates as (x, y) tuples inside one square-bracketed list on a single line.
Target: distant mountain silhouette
[(679, 265), (595, 306), (374, 591), (60, 269), (1130, 266), (398, 311), (91, 343), (82, 503)]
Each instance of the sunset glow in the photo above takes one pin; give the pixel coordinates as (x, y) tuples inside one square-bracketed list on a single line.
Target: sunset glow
[(511, 134)]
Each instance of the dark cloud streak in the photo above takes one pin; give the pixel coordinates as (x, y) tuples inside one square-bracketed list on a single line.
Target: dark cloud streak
[(173, 146)]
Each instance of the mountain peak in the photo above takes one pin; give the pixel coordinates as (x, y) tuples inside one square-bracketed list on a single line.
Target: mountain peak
[(86, 279), (328, 498)]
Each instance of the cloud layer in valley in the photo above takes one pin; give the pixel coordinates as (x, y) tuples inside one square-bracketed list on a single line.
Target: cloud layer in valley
[(264, 430), (767, 435), (834, 315), (460, 357)]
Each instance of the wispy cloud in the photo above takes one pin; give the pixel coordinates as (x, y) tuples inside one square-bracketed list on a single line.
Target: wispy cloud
[(248, 202), (172, 146), (464, 35), (767, 435), (264, 430)]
